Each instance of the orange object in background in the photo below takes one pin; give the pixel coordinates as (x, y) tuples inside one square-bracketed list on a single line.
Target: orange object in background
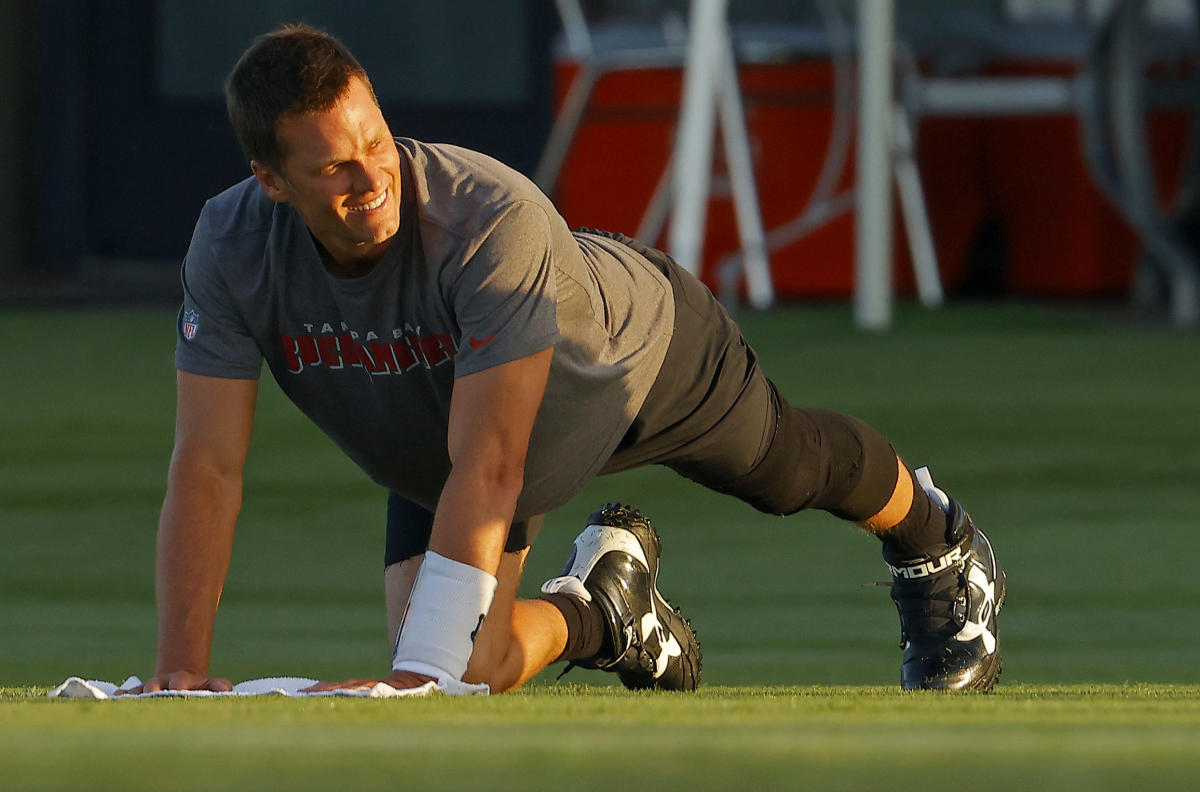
[(1012, 191)]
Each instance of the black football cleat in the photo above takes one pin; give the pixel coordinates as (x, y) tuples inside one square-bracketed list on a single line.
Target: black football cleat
[(948, 602), (647, 642)]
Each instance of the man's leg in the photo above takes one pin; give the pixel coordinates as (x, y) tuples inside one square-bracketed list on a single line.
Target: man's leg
[(518, 638), (713, 417), (947, 586), (813, 459)]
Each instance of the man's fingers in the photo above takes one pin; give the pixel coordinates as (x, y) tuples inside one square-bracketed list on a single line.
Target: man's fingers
[(179, 680), (151, 685), (403, 680)]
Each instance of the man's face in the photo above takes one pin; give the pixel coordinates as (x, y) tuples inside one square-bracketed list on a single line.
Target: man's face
[(342, 175)]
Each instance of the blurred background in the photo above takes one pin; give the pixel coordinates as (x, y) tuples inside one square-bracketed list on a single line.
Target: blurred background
[(1040, 147), (1027, 167)]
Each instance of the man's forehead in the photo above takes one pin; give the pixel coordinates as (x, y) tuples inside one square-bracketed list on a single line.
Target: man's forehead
[(328, 133)]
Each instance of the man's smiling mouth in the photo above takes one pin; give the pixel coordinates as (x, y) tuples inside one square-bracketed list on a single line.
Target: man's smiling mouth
[(378, 202)]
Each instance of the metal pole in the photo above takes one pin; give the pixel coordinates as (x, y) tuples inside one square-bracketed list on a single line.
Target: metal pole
[(873, 228), (912, 209), (759, 288), (693, 141)]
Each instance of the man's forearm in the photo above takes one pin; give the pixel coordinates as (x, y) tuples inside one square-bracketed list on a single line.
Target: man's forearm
[(453, 592), (195, 539), (473, 517)]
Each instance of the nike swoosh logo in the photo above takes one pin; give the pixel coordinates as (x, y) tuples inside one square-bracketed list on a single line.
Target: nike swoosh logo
[(476, 343)]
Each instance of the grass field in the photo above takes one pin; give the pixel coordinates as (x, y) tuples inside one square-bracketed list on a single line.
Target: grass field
[(1070, 435)]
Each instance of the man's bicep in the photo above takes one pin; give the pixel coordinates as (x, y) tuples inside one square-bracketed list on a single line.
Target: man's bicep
[(213, 420), (504, 297)]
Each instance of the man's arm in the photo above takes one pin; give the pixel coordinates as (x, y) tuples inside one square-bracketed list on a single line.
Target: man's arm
[(491, 418), (213, 420)]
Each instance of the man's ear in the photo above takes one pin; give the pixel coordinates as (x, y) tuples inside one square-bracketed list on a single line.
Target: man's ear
[(272, 182)]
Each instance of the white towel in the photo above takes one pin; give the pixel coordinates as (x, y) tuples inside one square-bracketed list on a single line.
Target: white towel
[(76, 687)]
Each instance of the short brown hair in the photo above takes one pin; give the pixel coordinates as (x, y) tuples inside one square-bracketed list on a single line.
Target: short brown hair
[(296, 69)]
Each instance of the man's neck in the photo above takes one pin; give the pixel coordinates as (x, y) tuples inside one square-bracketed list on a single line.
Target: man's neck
[(349, 267)]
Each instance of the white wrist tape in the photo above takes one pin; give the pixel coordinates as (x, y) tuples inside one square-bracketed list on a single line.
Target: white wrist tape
[(447, 606)]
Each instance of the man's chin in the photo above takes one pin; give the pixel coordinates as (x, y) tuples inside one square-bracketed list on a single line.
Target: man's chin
[(377, 234), (377, 243)]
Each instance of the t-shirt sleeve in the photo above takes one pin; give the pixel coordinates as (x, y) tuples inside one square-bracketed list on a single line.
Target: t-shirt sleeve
[(504, 295), (211, 337)]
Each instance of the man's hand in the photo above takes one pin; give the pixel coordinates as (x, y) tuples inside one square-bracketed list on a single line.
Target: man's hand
[(179, 680), (400, 680)]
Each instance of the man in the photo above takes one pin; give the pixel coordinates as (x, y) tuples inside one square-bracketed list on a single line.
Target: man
[(431, 312)]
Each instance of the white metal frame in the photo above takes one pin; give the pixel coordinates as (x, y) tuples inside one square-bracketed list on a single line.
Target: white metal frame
[(711, 94)]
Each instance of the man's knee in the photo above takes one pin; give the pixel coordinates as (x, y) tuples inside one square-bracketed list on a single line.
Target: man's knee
[(490, 661), (817, 459), (487, 666)]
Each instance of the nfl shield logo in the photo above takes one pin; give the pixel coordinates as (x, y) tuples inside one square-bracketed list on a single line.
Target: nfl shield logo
[(191, 323)]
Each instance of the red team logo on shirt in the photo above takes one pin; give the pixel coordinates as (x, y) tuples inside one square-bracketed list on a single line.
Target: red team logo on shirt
[(191, 323), (405, 349)]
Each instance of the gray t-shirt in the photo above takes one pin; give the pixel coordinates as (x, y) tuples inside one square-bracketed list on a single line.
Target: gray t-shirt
[(482, 272)]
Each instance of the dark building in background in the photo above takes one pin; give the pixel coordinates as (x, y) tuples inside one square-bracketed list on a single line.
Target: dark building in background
[(16, 130), (128, 135)]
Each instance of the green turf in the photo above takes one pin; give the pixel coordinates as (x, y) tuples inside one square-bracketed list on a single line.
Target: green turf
[(1097, 738), (1071, 437)]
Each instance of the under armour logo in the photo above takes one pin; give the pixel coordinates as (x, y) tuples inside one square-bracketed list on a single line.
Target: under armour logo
[(668, 644), (978, 626)]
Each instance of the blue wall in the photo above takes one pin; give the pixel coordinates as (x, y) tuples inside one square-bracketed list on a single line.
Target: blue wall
[(131, 135)]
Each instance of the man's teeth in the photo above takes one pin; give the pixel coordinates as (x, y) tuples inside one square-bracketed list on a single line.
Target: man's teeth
[(378, 202)]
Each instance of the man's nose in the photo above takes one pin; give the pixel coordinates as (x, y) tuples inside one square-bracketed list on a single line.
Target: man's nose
[(369, 178)]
